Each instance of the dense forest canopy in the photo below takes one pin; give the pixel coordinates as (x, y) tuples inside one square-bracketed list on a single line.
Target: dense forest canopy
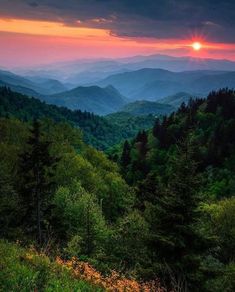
[(100, 132), (165, 209)]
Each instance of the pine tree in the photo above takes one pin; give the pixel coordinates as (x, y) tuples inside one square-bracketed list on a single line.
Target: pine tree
[(156, 128), (126, 158), (36, 180), (142, 144), (174, 237)]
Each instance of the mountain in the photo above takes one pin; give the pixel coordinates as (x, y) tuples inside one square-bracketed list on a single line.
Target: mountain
[(48, 85), (177, 64), (130, 123), (144, 107), (20, 89), (98, 131), (76, 72), (83, 72), (177, 99), (154, 84), (101, 101), (33, 86), (94, 99)]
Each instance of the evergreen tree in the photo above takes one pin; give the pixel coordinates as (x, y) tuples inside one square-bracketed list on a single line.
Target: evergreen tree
[(126, 158), (156, 128), (174, 237), (142, 144), (35, 169)]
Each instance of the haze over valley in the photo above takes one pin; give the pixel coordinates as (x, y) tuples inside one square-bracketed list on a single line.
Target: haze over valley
[(104, 86)]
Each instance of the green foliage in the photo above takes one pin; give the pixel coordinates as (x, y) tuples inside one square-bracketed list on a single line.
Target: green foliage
[(187, 245), (35, 172), (98, 131), (80, 220), (144, 107), (81, 199), (222, 218), (172, 216), (21, 270), (173, 219), (93, 99), (131, 239)]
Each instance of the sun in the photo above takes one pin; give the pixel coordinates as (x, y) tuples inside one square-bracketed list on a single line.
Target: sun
[(196, 46)]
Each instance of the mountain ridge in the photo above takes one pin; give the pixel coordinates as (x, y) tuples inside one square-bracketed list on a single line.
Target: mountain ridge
[(94, 99)]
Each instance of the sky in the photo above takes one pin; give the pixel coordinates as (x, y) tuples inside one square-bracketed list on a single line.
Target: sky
[(34, 32)]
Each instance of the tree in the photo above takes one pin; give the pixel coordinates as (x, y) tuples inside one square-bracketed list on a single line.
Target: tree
[(142, 144), (130, 239), (174, 237), (79, 220), (35, 170), (126, 158), (222, 219)]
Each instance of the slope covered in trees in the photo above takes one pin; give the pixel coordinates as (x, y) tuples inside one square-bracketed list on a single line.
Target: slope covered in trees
[(144, 107), (56, 190), (183, 171), (165, 212), (99, 132), (93, 99)]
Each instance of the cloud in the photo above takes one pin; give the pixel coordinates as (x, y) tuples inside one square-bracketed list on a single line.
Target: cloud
[(33, 4), (213, 19)]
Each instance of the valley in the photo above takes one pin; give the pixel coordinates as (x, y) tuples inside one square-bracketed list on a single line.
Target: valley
[(85, 166)]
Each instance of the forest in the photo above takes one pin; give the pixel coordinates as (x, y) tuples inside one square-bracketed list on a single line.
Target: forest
[(100, 132), (158, 209)]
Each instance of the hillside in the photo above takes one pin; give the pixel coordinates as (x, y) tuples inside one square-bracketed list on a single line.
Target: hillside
[(34, 86), (99, 132), (144, 107), (174, 182), (183, 171), (177, 99), (48, 85), (131, 124), (154, 84), (21, 89), (26, 270), (93, 99)]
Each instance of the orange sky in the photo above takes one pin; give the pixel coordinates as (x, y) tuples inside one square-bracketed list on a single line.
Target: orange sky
[(27, 42)]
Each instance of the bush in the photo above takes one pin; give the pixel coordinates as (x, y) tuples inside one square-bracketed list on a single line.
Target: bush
[(22, 270)]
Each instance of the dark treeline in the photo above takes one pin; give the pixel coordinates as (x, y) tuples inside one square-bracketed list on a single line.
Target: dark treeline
[(166, 211)]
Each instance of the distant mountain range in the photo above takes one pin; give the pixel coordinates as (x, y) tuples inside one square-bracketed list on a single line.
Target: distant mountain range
[(94, 99), (35, 86), (84, 72), (154, 84), (110, 84)]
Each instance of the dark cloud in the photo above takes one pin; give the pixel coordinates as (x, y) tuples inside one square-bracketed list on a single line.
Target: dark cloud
[(213, 19), (33, 4)]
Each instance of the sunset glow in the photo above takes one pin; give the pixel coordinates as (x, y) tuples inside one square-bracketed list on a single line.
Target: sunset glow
[(49, 41), (196, 46), (47, 28)]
